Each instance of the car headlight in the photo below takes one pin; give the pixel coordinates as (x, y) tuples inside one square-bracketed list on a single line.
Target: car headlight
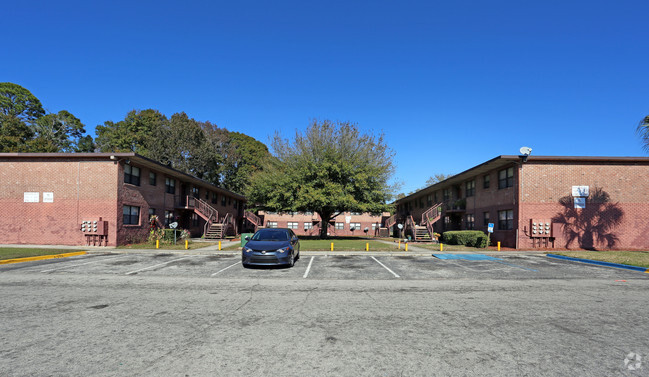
[(283, 250), (247, 249)]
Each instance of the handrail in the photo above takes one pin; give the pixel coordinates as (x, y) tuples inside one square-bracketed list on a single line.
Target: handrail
[(252, 218), (432, 214), (391, 221), (209, 211)]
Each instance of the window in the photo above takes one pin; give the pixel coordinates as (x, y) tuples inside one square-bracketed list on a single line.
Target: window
[(131, 175), (421, 202), (354, 226), (506, 220), (207, 195), (340, 226), (215, 197), (447, 220), (195, 192), (506, 178), (470, 188), (194, 219), (170, 185), (151, 212), (169, 218), (309, 213), (447, 195), (485, 216), (223, 200), (271, 224), (308, 226), (292, 225), (131, 215), (153, 178), (470, 221), (429, 200), (373, 227), (355, 213), (485, 181)]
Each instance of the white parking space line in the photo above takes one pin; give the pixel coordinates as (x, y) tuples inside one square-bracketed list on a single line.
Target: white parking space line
[(306, 273), (384, 266), (82, 264), (156, 266), (216, 273)]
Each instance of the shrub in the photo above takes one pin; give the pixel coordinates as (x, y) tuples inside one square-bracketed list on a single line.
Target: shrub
[(471, 238)]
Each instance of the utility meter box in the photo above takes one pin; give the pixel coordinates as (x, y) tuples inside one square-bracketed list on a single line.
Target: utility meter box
[(540, 228)]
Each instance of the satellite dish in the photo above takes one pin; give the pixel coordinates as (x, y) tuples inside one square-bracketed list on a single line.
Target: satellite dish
[(525, 151), (400, 226), (173, 225)]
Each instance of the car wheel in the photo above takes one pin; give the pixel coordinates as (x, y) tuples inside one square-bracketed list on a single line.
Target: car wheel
[(291, 261)]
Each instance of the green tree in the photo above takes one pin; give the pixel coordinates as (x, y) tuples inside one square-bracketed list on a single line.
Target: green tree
[(329, 169), (135, 133), (19, 109), (19, 103), (437, 178), (643, 131), (60, 132), (243, 156)]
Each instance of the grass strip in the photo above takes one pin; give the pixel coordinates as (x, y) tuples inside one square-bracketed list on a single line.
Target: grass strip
[(20, 252), (631, 258), (179, 246)]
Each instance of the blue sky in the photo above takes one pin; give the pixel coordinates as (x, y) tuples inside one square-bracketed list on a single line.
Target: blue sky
[(450, 84)]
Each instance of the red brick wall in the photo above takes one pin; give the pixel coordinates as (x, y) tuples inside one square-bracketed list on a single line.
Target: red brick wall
[(83, 190), (365, 219), (544, 184)]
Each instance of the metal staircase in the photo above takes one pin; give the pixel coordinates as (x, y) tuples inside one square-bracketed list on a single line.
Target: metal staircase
[(253, 219), (214, 228), (424, 230)]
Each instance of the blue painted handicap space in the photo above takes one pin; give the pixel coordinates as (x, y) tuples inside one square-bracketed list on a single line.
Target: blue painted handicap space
[(466, 257)]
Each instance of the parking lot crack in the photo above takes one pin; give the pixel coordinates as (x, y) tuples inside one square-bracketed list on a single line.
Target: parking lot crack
[(248, 300)]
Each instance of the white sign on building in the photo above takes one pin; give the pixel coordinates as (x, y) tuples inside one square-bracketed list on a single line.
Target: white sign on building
[(31, 197), (48, 197), (580, 191), (580, 202)]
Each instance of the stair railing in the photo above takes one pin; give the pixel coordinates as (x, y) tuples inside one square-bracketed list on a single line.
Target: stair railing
[(227, 221), (431, 215), (391, 221), (208, 211), (254, 219)]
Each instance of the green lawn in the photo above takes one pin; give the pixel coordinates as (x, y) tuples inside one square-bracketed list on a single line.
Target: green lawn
[(179, 246), (19, 252), (632, 258), (340, 244)]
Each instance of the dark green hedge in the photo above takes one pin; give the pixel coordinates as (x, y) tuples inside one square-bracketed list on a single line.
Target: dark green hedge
[(472, 238)]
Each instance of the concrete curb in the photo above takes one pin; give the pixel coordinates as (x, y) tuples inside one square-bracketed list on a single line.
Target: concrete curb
[(42, 257), (600, 263)]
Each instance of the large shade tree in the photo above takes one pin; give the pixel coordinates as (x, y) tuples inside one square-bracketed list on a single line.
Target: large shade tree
[(330, 168), (26, 127)]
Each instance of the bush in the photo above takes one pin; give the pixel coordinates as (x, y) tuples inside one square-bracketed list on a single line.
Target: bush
[(166, 236), (471, 238)]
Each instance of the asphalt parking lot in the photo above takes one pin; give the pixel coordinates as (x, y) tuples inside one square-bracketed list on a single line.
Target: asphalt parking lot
[(149, 314), (322, 266)]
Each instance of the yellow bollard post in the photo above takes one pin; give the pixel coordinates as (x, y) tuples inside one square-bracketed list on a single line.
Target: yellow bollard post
[(157, 244), (498, 245), (219, 245), (332, 246), (399, 243), (441, 247), (406, 246), (186, 244), (367, 246)]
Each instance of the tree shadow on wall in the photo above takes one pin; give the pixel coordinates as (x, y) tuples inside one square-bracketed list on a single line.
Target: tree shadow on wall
[(591, 226)]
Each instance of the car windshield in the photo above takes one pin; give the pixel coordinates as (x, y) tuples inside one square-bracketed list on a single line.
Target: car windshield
[(270, 235)]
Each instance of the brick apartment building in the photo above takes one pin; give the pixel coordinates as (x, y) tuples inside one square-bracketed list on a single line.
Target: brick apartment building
[(309, 223), (539, 201), (80, 198)]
